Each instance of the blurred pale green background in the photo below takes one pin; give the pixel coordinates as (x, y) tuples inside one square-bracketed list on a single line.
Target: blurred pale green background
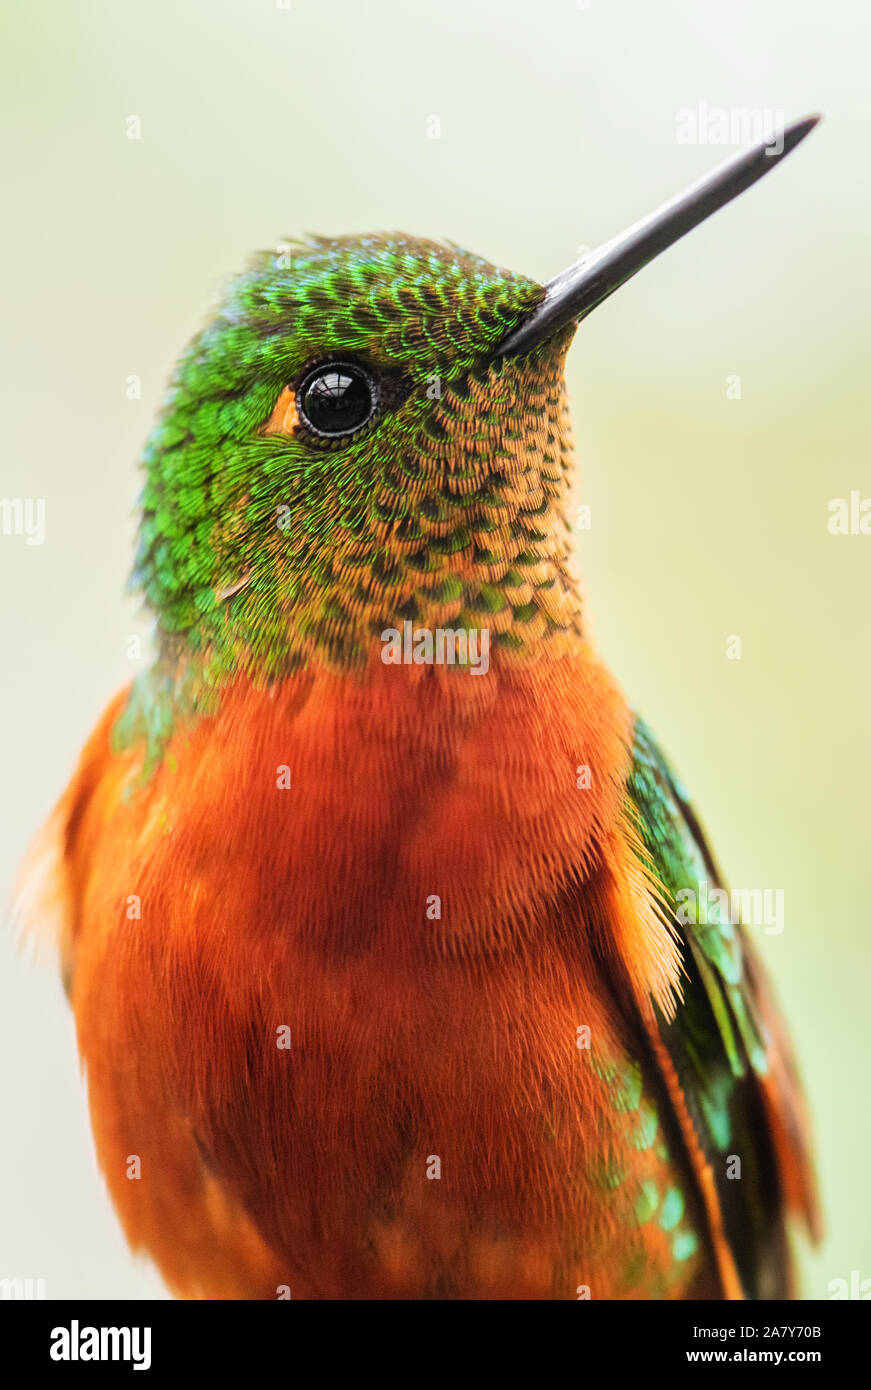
[(709, 515)]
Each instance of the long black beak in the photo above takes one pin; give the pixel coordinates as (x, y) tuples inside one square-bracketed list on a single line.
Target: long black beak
[(575, 292)]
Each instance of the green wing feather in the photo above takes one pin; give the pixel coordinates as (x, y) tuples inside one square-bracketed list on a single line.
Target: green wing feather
[(726, 1042)]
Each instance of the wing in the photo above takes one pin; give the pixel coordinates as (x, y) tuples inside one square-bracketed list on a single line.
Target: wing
[(727, 1045)]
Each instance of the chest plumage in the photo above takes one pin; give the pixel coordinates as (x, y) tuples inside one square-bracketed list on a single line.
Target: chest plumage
[(354, 951)]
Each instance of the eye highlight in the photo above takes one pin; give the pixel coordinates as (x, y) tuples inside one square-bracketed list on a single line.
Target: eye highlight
[(336, 399)]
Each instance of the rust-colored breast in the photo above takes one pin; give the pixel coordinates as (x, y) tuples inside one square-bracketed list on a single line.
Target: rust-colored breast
[(333, 968)]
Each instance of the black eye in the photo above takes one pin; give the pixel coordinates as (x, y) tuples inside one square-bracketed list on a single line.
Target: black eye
[(336, 398)]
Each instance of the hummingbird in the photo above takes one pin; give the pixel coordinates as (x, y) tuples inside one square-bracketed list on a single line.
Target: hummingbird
[(382, 973)]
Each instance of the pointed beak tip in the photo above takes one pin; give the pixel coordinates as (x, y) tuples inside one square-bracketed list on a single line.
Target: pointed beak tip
[(575, 292), (796, 132)]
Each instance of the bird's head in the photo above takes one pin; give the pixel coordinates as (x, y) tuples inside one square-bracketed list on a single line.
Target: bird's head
[(373, 430), (344, 449)]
